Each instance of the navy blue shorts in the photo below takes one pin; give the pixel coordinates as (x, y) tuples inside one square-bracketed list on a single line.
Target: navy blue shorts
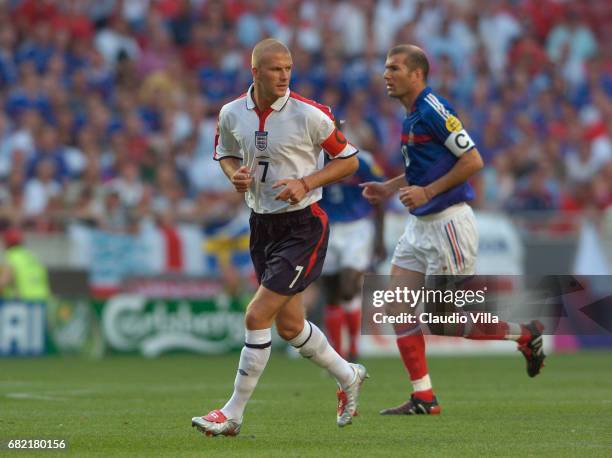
[(288, 249)]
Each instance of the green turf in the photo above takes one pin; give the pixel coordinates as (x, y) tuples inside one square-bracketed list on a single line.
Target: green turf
[(127, 406)]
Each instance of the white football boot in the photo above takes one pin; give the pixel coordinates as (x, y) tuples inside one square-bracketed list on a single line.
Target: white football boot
[(347, 397), (216, 424)]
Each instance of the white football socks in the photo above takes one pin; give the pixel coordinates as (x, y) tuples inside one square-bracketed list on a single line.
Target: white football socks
[(312, 344), (253, 360)]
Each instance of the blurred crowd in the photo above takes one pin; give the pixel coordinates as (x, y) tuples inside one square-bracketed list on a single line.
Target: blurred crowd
[(110, 106)]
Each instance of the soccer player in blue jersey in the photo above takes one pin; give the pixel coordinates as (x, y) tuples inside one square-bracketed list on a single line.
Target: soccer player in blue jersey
[(440, 236), (355, 240)]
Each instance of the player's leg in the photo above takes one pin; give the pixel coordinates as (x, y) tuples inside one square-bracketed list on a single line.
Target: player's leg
[(408, 267), (354, 260), (411, 345), (333, 315), (333, 312), (260, 315), (528, 337), (312, 344), (350, 287), (460, 236), (310, 341)]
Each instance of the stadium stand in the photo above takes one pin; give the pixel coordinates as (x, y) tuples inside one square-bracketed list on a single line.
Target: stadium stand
[(109, 107)]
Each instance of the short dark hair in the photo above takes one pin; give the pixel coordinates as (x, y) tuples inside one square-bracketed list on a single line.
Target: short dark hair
[(415, 57)]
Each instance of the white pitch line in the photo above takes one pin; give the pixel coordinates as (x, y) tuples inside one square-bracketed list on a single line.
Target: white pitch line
[(38, 397)]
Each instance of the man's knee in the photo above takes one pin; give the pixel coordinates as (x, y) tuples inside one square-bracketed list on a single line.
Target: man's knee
[(289, 330), (257, 317), (251, 321), (263, 309)]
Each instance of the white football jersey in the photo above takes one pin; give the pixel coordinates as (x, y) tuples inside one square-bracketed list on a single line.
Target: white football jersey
[(284, 141)]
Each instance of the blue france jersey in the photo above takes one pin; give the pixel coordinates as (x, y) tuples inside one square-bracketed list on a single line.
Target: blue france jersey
[(343, 201), (433, 139)]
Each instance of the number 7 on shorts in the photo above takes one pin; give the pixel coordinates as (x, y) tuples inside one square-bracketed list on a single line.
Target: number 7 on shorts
[(299, 271)]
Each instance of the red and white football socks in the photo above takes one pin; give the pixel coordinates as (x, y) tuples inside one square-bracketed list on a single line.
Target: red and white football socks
[(412, 351)]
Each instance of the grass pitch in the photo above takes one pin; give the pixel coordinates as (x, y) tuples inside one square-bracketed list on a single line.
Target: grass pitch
[(128, 406)]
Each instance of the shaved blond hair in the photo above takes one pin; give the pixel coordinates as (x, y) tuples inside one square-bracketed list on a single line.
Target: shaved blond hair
[(269, 45)]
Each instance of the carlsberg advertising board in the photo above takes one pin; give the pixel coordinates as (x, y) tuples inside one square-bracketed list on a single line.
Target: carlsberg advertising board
[(134, 323)]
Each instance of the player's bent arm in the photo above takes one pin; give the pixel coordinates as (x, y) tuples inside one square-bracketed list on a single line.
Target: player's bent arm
[(376, 192), (468, 164), (230, 166), (333, 171), (238, 174)]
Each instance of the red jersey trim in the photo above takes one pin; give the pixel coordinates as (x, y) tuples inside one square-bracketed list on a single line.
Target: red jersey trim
[(416, 138), (262, 115), (324, 108)]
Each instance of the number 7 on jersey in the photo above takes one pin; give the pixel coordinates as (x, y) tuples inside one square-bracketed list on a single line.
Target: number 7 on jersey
[(265, 170)]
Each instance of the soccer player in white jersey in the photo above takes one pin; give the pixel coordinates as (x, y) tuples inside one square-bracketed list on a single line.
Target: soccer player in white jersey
[(440, 238), (269, 145)]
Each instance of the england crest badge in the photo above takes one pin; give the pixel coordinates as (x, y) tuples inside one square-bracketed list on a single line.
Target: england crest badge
[(261, 140)]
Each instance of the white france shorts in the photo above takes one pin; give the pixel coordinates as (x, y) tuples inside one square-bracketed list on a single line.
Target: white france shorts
[(443, 243), (350, 246)]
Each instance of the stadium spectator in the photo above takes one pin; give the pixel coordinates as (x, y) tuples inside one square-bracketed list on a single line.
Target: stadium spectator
[(22, 276), (12, 198), (40, 192), (114, 42), (128, 184), (582, 164), (389, 17), (570, 43), (497, 27)]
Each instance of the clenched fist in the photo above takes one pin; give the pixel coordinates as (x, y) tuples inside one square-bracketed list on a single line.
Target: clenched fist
[(242, 179), (414, 196), (294, 191)]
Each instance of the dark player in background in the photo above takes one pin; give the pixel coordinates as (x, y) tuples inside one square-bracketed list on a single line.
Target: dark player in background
[(355, 244)]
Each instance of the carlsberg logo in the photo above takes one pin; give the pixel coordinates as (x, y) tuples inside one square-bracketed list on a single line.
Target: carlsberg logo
[(129, 325)]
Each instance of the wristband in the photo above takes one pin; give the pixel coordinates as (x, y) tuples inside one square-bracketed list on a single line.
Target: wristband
[(306, 187)]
